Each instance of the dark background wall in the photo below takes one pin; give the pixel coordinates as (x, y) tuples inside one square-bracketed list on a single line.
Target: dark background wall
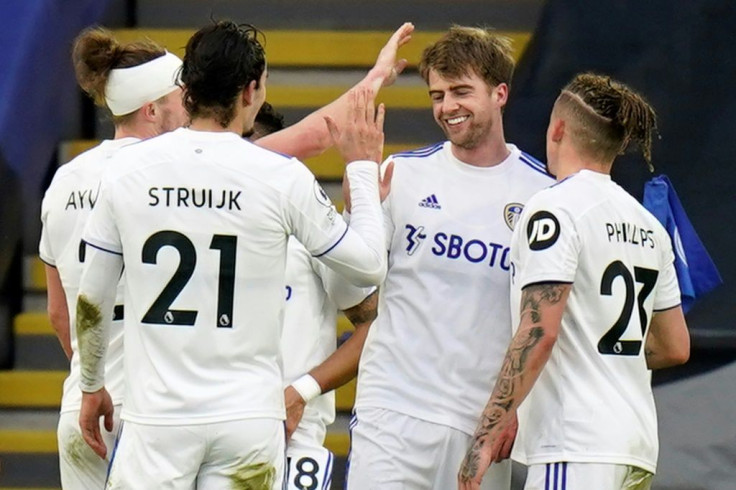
[(680, 53), (37, 95), (682, 56)]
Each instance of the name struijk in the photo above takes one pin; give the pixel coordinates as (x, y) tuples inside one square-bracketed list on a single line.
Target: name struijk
[(184, 197)]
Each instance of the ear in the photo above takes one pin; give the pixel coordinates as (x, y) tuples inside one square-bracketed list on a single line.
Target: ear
[(249, 92), (501, 94), (149, 111), (557, 130)]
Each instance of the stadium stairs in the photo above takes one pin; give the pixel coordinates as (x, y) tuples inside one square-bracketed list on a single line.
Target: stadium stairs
[(30, 396), (307, 70)]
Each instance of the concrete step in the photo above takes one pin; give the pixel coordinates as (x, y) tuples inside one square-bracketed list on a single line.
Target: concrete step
[(33, 323), (41, 366), (328, 166), (339, 14), (39, 353), (36, 345), (37, 324), (317, 48), (29, 471), (29, 431), (44, 442), (34, 274), (41, 472), (43, 488), (29, 453), (31, 389), (42, 389)]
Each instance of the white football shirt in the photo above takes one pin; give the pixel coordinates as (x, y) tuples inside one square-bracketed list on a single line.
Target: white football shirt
[(593, 400), (65, 209), (443, 321), (314, 294), (202, 221)]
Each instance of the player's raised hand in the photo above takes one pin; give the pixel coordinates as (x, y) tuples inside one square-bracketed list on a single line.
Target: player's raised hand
[(387, 67), (361, 137), (94, 406)]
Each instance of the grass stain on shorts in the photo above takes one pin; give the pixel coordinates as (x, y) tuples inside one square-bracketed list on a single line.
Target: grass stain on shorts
[(257, 476)]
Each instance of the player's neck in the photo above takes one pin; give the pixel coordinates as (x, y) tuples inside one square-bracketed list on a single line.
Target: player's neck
[(487, 153), (572, 162), (212, 125), (140, 131)]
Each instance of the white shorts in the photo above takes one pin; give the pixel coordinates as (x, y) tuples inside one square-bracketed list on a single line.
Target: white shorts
[(585, 476), (308, 464), (80, 467), (392, 451), (246, 453)]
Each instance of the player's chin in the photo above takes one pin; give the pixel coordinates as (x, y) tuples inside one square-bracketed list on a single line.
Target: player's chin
[(463, 140), (452, 134)]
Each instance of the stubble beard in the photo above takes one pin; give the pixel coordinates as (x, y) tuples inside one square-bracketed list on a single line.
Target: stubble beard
[(469, 139)]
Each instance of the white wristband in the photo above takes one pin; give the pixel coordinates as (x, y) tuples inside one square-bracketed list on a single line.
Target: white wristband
[(307, 387)]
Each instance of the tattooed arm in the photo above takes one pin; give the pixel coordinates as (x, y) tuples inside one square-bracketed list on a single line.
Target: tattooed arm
[(341, 366), (668, 341), (542, 306)]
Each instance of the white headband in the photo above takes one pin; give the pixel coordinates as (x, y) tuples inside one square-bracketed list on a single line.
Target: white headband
[(129, 89)]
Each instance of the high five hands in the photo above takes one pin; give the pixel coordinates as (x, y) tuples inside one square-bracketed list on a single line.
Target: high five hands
[(387, 67)]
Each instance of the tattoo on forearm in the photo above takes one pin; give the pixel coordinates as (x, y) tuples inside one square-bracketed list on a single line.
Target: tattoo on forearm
[(364, 312), (533, 296), (504, 394), (471, 462)]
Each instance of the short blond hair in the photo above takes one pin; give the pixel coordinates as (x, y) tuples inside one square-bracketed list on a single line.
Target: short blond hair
[(463, 50)]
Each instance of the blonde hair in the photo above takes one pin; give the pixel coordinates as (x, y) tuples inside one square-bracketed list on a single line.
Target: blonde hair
[(606, 116), (463, 50), (96, 53)]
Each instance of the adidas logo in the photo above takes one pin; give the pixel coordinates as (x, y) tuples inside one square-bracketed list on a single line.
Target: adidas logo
[(430, 202)]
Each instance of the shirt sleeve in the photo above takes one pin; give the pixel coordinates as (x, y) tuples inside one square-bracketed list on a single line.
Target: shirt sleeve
[(667, 294), (45, 251), (386, 205), (101, 230), (548, 243), (341, 291), (359, 253), (310, 215)]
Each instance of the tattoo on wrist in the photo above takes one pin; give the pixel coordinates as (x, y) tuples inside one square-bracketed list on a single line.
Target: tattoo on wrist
[(364, 312), (471, 462), (504, 393)]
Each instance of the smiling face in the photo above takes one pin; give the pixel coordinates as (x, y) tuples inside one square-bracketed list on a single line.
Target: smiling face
[(466, 108)]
